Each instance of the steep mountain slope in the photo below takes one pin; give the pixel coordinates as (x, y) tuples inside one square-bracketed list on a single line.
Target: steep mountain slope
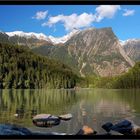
[(92, 51), (132, 48), (100, 50)]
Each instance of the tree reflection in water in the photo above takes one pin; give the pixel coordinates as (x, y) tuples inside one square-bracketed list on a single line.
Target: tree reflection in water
[(90, 107)]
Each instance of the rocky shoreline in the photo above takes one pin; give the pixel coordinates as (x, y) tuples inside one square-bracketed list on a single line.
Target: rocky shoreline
[(124, 127), (11, 129)]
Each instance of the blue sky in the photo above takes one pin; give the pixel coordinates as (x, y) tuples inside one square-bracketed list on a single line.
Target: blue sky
[(58, 20)]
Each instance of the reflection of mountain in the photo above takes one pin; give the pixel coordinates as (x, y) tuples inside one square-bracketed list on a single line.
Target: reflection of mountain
[(101, 106), (91, 107), (111, 108)]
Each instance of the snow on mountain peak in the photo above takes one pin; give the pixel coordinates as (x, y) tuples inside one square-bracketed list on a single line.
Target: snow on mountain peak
[(28, 35), (57, 40), (42, 36)]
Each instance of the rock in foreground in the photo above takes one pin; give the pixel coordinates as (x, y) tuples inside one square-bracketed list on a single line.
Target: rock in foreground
[(8, 129), (46, 120)]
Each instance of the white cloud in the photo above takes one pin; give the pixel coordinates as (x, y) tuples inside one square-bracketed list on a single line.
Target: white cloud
[(53, 20), (84, 19), (128, 12), (106, 11), (40, 15), (71, 21)]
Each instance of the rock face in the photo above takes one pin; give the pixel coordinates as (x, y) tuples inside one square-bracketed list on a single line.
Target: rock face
[(132, 48), (89, 52), (100, 51)]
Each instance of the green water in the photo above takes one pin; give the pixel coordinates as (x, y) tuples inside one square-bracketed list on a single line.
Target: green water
[(91, 107)]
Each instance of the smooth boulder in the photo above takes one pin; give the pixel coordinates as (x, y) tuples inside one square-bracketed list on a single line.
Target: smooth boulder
[(124, 127), (46, 120)]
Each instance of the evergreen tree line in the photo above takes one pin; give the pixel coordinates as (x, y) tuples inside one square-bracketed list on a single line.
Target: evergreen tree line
[(21, 68), (130, 79)]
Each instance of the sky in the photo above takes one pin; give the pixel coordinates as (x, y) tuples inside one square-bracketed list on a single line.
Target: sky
[(58, 20)]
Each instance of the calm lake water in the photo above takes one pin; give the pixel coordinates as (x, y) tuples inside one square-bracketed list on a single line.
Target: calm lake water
[(91, 107)]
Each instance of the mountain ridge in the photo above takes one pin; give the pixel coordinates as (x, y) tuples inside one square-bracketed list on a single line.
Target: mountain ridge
[(50, 38), (62, 39), (89, 51), (41, 36)]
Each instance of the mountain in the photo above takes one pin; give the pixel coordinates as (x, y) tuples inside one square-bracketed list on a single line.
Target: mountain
[(88, 52), (33, 40), (132, 48), (21, 68), (99, 50), (91, 51)]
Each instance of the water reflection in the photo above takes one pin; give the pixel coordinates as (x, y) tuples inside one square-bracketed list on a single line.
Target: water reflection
[(90, 107)]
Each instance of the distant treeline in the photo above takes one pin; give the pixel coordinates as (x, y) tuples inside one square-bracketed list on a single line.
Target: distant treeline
[(21, 68), (130, 79)]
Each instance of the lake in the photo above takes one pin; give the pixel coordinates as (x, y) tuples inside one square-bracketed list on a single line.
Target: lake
[(92, 107)]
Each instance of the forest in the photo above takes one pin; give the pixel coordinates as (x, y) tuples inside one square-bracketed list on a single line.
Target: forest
[(130, 79), (21, 68)]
